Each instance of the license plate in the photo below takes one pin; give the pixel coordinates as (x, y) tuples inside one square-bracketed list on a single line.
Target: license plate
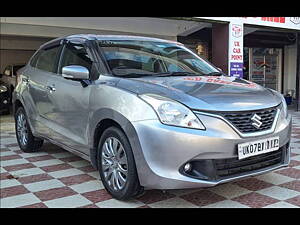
[(253, 148)]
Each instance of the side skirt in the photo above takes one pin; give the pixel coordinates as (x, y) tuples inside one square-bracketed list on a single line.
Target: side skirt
[(74, 151)]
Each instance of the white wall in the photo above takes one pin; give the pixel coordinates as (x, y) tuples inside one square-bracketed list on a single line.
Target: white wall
[(290, 57)]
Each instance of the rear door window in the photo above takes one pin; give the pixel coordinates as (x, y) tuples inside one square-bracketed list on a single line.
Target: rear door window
[(34, 59), (47, 59)]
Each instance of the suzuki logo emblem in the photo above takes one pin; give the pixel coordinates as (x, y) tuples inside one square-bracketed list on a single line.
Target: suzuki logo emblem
[(256, 121)]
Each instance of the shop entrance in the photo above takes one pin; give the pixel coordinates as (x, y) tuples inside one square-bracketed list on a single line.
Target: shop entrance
[(263, 66)]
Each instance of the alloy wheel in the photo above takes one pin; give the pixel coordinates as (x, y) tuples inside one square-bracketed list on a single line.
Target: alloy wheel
[(22, 129), (114, 163)]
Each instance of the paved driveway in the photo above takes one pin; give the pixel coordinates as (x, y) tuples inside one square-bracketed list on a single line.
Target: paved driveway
[(54, 177)]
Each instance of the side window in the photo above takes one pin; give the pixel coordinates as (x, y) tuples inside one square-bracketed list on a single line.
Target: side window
[(34, 59), (75, 54), (47, 59)]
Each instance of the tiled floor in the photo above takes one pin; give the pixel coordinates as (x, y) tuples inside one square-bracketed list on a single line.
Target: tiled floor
[(54, 177)]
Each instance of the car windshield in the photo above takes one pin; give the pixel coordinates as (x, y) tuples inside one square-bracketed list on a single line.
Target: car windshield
[(134, 58)]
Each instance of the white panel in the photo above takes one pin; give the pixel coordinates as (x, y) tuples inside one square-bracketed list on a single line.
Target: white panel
[(235, 49)]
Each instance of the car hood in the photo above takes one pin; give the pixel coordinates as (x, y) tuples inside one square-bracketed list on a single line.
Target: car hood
[(209, 93)]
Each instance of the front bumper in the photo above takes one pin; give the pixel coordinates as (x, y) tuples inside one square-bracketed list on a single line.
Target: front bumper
[(165, 149)]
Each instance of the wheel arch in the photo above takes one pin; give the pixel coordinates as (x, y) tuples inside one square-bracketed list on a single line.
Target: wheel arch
[(18, 102), (105, 118), (16, 105)]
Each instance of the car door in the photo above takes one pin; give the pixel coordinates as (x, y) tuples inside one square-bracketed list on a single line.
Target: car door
[(70, 99), (35, 78)]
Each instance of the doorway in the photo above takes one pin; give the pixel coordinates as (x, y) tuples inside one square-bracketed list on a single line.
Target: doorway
[(265, 67)]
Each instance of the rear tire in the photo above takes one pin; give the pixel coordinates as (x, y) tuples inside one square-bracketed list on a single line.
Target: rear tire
[(27, 142), (116, 165)]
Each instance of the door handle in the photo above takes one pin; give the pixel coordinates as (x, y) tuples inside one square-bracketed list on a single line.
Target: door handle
[(51, 88)]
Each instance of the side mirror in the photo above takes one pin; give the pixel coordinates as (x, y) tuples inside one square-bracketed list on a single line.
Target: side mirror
[(220, 69), (75, 72)]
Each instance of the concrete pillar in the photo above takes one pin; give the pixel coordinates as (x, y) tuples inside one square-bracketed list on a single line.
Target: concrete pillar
[(220, 38)]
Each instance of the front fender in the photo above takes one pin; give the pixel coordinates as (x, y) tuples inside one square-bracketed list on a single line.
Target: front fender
[(126, 126), (124, 108)]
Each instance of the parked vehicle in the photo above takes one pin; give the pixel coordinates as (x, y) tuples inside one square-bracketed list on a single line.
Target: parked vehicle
[(9, 77), (4, 99), (149, 114)]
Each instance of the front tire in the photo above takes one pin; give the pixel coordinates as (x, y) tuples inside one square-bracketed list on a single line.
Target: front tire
[(116, 165), (27, 142)]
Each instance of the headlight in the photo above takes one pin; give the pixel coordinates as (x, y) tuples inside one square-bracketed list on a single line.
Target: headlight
[(284, 109), (284, 106), (173, 113), (3, 89)]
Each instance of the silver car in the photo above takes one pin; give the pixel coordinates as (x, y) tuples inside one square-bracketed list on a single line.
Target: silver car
[(149, 114)]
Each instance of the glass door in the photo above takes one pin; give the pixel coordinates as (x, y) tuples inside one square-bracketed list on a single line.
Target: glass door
[(265, 67)]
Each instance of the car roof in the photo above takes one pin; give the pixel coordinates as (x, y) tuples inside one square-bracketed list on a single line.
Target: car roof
[(119, 37), (110, 37)]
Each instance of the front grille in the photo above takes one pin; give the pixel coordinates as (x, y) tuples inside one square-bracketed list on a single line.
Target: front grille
[(230, 167), (242, 120)]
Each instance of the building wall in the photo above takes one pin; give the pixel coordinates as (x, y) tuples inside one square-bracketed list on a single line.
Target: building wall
[(18, 50), (21, 36), (290, 57), (21, 42), (9, 57), (60, 26)]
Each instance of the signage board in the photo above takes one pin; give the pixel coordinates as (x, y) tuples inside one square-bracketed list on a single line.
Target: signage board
[(280, 22), (236, 33), (235, 48)]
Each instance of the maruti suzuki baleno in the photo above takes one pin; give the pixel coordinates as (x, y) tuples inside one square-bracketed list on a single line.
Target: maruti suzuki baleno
[(148, 114)]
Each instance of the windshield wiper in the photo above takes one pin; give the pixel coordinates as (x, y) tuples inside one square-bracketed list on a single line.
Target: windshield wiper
[(215, 74), (132, 75), (168, 74)]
